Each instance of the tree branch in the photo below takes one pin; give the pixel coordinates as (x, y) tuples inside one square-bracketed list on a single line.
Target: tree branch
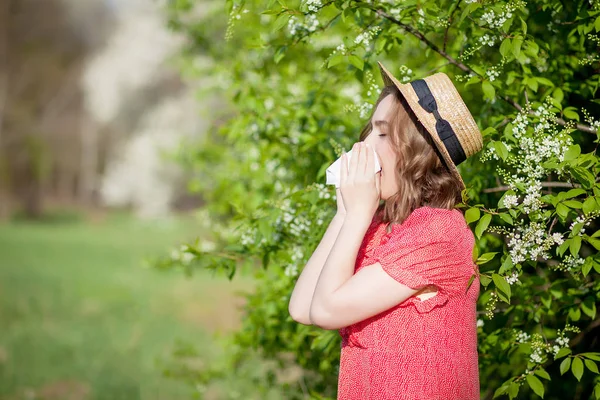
[(544, 184), (450, 24), (463, 67)]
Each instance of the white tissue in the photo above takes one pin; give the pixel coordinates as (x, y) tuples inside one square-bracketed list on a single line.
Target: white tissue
[(334, 171)]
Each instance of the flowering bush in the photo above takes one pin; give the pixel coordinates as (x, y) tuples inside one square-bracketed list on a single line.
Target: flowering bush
[(303, 78)]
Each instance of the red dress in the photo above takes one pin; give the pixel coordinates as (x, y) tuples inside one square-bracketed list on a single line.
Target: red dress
[(419, 349)]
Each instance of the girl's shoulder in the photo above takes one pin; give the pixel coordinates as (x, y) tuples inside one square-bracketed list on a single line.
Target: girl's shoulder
[(431, 222)]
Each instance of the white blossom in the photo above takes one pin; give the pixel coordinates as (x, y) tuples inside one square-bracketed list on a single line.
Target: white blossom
[(313, 5), (511, 200), (558, 238), (514, 278)]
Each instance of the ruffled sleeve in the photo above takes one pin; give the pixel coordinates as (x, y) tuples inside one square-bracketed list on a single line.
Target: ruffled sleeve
[(427, 249)]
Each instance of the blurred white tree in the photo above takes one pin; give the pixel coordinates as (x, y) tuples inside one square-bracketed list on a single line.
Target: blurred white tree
[(132, 84)]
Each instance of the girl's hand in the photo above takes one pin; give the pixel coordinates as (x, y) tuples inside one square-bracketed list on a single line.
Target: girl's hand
[(341, 210), (359, 186)]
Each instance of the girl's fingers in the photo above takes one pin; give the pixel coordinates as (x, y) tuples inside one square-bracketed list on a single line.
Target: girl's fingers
[(370, 166), (354, 161), (344, 168)]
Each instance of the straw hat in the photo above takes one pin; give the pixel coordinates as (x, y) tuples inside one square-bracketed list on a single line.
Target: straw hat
[(439, 107)]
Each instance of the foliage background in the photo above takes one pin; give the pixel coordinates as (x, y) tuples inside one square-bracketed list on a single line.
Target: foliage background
[(302, 78)]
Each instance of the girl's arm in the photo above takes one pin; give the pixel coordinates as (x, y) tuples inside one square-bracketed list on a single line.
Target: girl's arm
[(341, 297), (299, 306)]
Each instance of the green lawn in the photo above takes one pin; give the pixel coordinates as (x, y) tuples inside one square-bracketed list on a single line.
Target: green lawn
[(81, 318)]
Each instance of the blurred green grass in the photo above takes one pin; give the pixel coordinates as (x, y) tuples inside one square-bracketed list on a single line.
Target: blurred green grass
[(80, 318)]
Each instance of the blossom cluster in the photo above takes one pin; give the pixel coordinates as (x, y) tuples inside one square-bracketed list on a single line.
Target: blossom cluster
[(491, 305), (539, 347), (234, 15), (514, 278), (492, 73), (341, 49), (291, 269), (496, 20), (405, 73), (511, 201), (536, 143), (521, 336), (182, 255), (594, 123), (487, 40), (528, 242), (492, 20), (569, 263), (311, 23), (363, 107), (365, 37), (421, 19), (580, 222), (313, 5)]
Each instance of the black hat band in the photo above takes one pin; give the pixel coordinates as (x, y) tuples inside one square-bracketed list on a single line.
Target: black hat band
[(443, 127)]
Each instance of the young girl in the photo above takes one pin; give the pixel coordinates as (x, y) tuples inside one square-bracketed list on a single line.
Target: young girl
[(394, 277)]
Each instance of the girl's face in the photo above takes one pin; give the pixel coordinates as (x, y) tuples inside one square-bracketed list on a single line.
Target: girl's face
[(380, 139)]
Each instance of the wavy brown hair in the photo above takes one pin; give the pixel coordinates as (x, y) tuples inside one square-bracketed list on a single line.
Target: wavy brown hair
[(421, 173)]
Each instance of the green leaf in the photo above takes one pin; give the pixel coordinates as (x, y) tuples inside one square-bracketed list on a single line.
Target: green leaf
[(564, 365), (506, 218), (535, 384), (279, 54), (544, 81), (542, 373), (573, 204), (502, 285), (513, 390), (506, 47), (565, 351), (575, 245), (562, 210), (591, 366), (577, 368), (488, 90), (523, 26), (588, 306), (594, 242), (335, 60), (587, 266), (597, 24), (485, 257), (485, 280), (531, 84), (574, 314), (558, 94), (471, 279), (584, 176), (570, 113), (482, 225), (501, 150), (590, 204), (573, 152), (516, 46), (281, 21), (591, 355), (357, 61), (472, 214), (271, 12), (501, 390), (574, 193), (507, 264)]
